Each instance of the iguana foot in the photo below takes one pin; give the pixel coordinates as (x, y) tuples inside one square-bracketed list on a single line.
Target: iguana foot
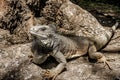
[(105, 61), (49, 74)]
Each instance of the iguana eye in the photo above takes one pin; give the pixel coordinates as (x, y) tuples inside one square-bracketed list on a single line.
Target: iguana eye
[(43, 29)]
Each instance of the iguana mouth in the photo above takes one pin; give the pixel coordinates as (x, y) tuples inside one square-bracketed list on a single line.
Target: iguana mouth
[(38, 36), (36, 33)]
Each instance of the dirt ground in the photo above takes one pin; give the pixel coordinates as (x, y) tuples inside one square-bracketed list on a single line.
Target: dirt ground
[(16, 17)]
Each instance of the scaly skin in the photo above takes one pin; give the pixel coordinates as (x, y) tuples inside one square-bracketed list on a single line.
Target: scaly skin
[(48, 43)]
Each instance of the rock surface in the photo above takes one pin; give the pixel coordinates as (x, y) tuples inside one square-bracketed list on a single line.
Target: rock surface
[(80, 69), (15, 65)]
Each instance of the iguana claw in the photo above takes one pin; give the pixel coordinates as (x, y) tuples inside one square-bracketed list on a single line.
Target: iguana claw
[(104, 60), (49, 74)]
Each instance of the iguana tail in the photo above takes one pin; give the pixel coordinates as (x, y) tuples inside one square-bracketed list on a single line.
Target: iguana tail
[(114, 27), (113, 46), (111, 30), (105, 38)]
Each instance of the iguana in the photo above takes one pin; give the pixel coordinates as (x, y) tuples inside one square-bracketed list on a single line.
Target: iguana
[(47, 42)]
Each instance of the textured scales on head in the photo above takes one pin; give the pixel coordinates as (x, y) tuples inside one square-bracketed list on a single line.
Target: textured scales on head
[(38, 30)]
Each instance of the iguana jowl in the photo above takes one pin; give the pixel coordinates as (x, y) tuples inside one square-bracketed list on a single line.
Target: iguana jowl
[(48, 43)]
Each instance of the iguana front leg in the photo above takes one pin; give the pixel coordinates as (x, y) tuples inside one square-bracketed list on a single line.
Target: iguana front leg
[(54, 72), (93, 54)]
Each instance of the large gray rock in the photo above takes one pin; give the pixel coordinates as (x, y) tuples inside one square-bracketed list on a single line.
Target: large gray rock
[(15, 64)]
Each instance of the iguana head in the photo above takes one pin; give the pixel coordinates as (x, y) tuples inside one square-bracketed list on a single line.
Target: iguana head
[(42, 35), (42, 31)]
